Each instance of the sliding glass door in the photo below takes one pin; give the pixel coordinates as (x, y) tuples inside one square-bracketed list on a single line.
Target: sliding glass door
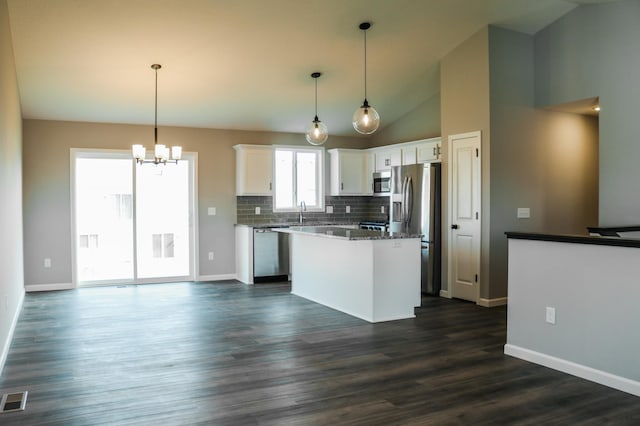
[(132, 222)]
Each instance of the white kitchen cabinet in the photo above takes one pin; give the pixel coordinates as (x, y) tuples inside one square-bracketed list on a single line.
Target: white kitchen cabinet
[(409, 155), (429, 151), (254, 169), (387, 158), (351, 173)]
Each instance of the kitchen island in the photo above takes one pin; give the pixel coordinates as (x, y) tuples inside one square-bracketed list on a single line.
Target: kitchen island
[(371, 275)]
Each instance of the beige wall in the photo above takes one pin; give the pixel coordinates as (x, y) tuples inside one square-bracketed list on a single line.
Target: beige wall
[(464, 94), (47, 201), (11, 268)]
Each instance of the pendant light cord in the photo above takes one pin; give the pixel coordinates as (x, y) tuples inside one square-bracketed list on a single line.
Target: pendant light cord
[(316, 97), (155, 123), (365, 64)]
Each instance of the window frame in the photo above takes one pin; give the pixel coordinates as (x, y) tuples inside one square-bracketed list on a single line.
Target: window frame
[(320, 177)]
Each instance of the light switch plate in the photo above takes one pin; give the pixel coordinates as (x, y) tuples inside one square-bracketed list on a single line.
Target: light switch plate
[(212, 211), (551, 315), (524, 213)]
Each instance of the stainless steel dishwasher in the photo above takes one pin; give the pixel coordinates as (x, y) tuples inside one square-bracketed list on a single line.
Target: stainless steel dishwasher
[(270, 255)]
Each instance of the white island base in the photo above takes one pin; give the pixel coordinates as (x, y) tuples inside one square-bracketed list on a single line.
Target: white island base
[(372, 279)]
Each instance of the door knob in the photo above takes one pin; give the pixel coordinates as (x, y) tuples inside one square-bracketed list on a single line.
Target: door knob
[(454, 226)]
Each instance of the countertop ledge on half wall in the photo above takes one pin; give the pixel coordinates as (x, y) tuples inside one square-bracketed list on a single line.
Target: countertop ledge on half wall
[(346, 234), (575, 239)]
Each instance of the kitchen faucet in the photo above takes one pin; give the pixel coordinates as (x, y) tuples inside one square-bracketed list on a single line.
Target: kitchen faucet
[(303, 207)]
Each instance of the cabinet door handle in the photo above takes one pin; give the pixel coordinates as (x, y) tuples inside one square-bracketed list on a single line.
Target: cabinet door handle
[(438, 154), (270, 184), (434, 150), (454, 226), (341, 186)]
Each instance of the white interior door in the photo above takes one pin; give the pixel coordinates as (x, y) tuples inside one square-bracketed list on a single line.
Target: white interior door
[(464, 237), (133, 223)]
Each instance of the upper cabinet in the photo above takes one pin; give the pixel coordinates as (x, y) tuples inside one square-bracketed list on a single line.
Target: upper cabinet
[(420, 151), (387, 158), (429, 151), (254, 169), (351, 172)]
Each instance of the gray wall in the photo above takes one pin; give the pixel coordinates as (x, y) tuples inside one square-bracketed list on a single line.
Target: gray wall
[(47, 202), (11, 272), (464, 94), (593, 51), (421, 123), (543, 160)]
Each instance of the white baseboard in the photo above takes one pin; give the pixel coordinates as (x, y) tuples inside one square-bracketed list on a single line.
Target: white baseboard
[(222, 277), (48, 287), (490, 303), (579, 370), (445, 293), (7, 343)]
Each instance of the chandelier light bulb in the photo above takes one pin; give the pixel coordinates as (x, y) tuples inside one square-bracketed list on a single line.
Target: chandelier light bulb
[(366, 119)]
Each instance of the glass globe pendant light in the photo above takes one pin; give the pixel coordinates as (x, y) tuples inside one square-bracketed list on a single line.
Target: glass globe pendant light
[(366, 119), (317, 132)]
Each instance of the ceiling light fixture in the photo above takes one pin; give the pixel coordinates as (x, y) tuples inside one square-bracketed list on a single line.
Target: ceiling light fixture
[(317, 132), (366, 119), (161, 154)]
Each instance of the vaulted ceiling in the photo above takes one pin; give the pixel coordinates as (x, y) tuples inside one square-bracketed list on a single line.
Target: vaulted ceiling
[(244, 64)]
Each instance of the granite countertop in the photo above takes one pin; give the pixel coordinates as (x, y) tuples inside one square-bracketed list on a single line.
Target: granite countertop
[(576, 239), (345, 233), (296, 224)]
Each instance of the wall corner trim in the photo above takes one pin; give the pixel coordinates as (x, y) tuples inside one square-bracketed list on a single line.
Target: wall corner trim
[(598, 376), (490, 303), (7, 344)]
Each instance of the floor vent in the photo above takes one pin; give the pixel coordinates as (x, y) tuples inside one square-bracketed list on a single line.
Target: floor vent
[(13, 402)]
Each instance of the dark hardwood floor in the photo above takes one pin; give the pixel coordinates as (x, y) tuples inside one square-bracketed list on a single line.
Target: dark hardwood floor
[(229, 354)]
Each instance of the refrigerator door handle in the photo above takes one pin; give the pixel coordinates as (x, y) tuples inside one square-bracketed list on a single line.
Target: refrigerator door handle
[(409, 201), (403, 201)]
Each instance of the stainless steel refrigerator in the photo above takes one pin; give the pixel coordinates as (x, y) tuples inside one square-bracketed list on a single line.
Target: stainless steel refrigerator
[(416, 208)]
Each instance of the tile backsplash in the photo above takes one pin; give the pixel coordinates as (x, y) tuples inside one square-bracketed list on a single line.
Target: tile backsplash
[(362, 208)]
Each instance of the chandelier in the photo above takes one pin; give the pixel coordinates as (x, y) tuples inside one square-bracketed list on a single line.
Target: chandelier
[(161, 153)]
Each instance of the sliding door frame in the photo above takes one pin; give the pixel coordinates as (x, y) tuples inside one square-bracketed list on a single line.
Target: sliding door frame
[(192, 157)]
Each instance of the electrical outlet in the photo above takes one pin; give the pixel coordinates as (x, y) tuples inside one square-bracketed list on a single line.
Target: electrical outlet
[(257, 210), (47, 263), (381, 209), (523, 213), (212, 211), (330, 209), (551, 315), (210, 255), (347, 209)]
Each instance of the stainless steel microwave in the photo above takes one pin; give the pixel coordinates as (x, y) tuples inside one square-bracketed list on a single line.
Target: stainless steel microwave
[(382, 183)]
